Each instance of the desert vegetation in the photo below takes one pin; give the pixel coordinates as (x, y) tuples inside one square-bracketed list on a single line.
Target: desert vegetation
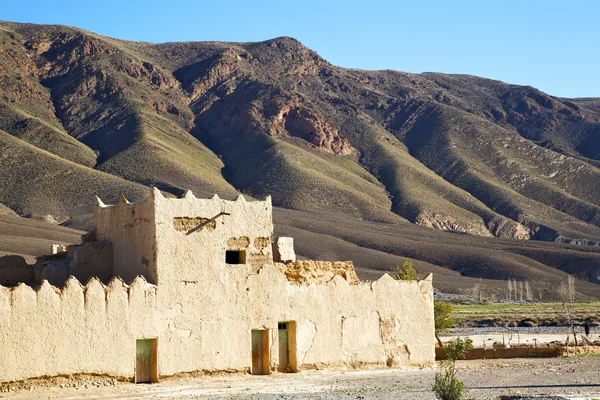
[(523, 314)]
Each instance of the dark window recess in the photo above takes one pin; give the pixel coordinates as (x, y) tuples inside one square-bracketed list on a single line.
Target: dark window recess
[(282, 325), (235, 257)]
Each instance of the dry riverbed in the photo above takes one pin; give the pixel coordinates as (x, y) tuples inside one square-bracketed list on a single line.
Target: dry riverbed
[(572, 378)]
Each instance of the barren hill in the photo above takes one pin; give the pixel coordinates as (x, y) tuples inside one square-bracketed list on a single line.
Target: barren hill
[(370, 151)]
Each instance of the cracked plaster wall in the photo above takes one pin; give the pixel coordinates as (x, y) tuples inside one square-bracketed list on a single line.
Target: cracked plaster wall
[(202, 310)]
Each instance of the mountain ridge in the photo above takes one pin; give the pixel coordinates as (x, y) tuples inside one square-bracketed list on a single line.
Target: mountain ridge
[(456, 153)]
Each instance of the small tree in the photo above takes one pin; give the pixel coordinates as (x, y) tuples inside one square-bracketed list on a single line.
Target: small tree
[(521, 291), (447, 386), (442, 318), (567, 298), (406, 272)]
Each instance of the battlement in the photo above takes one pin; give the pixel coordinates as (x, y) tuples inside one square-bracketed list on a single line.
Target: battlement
[(177, 238), (188, 200), (94, 291), (76, 329), (205, 294)]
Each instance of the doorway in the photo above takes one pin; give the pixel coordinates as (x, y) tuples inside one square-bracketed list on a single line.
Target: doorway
[(260, 352), (146, 370), (287, 346)]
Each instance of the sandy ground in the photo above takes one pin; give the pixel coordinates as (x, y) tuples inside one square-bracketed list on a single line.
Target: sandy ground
[(572, 378)]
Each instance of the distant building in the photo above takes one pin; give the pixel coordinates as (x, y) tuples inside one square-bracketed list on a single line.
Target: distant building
[(203, 293)]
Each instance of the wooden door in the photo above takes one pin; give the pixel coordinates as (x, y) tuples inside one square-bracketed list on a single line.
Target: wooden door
[(145, 361), (284, 351), (260, 352)]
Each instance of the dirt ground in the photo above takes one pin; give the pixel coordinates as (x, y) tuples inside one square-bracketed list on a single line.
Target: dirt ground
[(571, 378)]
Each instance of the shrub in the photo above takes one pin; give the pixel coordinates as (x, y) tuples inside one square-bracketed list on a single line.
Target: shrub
[(447, 386), (406, 272), (442, 318)]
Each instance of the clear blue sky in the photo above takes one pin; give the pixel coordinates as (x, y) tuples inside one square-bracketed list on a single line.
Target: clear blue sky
[(548, 44)]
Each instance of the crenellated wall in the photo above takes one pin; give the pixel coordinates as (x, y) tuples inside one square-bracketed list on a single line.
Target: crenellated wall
[(203, 309), (190, 255), (79, 329)]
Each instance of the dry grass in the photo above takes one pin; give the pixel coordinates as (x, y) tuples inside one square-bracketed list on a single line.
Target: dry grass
[(463, 314)]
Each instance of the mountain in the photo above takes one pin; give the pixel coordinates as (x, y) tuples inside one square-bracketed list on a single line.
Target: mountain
[(369, 151)]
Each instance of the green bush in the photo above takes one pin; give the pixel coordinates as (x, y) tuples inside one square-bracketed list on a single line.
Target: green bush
[(442, 318), (406, 272), (447, 386)]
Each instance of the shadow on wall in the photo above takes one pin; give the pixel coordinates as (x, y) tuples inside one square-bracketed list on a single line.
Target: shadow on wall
[(14, 269)]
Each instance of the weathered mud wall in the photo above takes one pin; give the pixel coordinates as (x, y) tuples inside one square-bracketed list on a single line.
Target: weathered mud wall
[(14, 269), (203, 310), (283, 250), (79, 329), (317, 271), (92, 259), (337, 323), (130, 228)]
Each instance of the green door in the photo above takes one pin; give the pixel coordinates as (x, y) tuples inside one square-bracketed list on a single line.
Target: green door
[(284, 351), (145, 360)]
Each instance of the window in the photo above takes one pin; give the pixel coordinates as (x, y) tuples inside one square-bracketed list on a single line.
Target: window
[(235, 257)]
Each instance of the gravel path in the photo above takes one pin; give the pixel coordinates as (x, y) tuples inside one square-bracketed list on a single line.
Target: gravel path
[(572, 378)]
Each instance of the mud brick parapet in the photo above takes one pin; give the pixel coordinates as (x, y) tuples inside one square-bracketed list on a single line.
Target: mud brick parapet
[(76, 329), (206, 295)]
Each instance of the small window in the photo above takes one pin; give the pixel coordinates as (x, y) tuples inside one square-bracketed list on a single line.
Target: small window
[(282, 326), (235, 257)]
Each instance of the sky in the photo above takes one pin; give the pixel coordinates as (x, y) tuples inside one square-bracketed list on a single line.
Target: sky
[(551, 45)]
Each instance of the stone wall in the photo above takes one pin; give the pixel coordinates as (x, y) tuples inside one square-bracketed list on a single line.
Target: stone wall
[(480, 353)]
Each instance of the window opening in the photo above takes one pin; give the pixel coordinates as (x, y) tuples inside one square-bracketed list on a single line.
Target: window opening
[(235, 257)]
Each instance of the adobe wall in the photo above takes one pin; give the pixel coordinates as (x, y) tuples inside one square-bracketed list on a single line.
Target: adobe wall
[(92, 259), (131, 229), (317, 271), (338, 323), (14, 269), (185, 255), (79, 329), (93, 329), (203, 310), (84, 261)]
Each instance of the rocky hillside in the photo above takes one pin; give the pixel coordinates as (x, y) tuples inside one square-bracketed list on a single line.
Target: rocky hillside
[(82, 114)]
